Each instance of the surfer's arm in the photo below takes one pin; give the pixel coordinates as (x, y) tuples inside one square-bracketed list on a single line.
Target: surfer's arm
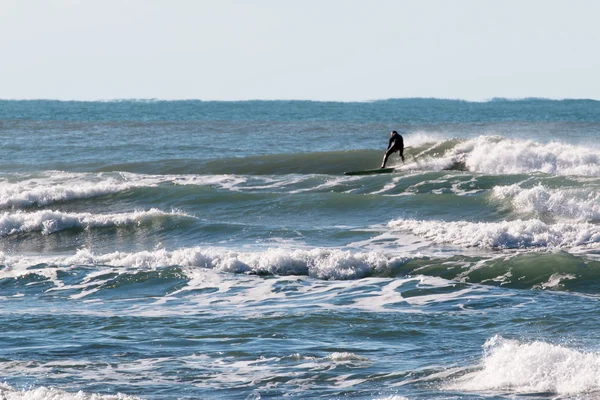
[(391, 143)]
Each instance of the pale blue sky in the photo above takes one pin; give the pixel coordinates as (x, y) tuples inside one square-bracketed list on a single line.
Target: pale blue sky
[(311, 49)]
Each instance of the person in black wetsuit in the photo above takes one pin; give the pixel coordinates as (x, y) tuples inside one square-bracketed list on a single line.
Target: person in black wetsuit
[(396, 144)]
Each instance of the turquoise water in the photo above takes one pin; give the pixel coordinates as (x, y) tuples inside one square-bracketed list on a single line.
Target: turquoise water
[(189, 249)]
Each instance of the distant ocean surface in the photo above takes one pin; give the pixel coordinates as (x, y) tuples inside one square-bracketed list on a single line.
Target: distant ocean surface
[(208, 250)]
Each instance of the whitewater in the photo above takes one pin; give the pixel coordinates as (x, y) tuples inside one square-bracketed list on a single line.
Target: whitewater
[(189, 249)]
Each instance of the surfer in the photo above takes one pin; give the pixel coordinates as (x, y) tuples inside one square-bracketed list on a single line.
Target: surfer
[(396, 144)]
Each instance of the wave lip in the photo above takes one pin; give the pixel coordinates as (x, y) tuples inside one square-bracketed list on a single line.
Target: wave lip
[(517, 234), (48, 222), (536, 367)]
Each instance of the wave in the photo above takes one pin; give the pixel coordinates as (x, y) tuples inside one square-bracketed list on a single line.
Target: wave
[(59, 187), (565, 204), (56, 186), (492, 155), (319, 162), (537, 270), (496, 155), (333, 162), (320, 263), (48, 222), (518, 234), (42, 392), (534, 367)]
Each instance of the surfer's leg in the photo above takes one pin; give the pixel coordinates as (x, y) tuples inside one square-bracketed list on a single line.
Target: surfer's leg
[(386, 155)]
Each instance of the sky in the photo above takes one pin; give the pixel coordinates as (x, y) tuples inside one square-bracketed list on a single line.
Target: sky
[(330, 50)]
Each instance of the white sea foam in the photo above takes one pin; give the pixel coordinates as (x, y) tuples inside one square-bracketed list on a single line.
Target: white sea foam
[(535, 367), (230, 182), (393, 397), (493, 155), (573, 204), (341, 357), (299, 372), (496, 155), (505, 234), (45, 393), (556, 280), (320, 263), (47, 221)]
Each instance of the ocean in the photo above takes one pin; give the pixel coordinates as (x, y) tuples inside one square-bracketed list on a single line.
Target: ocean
[(215, 250)]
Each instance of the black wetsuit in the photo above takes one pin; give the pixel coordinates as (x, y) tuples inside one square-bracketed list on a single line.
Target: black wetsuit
[(396, 144)]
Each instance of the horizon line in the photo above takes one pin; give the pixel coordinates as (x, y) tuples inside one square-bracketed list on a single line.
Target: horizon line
[(155, 99)]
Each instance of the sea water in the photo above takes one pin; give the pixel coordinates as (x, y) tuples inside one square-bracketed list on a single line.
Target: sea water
[(203, 250)]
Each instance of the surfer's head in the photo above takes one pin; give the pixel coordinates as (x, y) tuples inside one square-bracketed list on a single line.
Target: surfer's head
[(393, 133)]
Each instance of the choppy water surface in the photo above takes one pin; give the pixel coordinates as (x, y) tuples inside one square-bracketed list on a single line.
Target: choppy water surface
[(183, 250)]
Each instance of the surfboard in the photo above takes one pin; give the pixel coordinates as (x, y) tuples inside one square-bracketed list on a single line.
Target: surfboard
[(370, 171)]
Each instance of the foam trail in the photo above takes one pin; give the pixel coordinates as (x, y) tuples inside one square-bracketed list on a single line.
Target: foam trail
[(47, 221), (516, 234), (536, 367)]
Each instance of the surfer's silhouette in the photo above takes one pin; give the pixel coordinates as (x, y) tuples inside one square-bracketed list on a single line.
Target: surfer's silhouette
[(396, 144)]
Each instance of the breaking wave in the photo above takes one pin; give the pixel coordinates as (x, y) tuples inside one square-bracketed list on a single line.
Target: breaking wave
[(318, 263), (518, 234), (571, 204), (535, 367), (493, 155), (47, 221), (496, 155), (538, 270)]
